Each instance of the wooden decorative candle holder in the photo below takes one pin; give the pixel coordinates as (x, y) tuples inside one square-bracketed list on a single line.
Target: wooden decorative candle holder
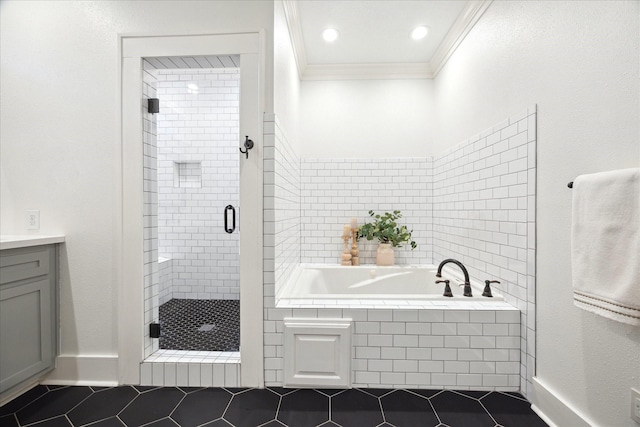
[(355, 259), (346, 254)]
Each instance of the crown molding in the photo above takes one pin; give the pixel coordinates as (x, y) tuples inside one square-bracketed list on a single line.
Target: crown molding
[(295, 33), (394, 71), (459, 30), (383, 71)]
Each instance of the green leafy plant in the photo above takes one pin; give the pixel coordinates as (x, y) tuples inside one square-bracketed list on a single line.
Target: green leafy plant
[(385, 228)]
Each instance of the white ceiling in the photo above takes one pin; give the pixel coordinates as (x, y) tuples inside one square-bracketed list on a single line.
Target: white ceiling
[(374, 36), (375, 31)]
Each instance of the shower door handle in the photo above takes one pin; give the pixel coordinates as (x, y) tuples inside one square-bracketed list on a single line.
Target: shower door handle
[(226, 219)]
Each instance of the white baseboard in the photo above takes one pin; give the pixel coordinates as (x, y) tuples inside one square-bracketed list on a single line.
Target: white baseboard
[(98, 370), (553, 409)]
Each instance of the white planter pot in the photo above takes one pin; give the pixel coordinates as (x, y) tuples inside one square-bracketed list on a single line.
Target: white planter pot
[(385, 255)]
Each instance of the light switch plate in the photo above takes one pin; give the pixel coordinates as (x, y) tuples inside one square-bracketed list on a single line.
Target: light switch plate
[(635, 405), (33, 219)]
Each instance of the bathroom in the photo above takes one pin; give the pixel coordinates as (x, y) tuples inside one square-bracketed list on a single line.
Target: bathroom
[(519, 56)]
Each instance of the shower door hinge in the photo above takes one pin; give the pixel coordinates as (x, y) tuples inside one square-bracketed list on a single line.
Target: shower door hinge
[(154, 330)]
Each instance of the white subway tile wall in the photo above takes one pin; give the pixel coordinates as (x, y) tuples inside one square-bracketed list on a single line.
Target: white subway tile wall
[(282, 229), (150, 211), (484, 215), (417, 348), (475, 202), (198, 176), (171, 368), (336, 190), (165, 266)]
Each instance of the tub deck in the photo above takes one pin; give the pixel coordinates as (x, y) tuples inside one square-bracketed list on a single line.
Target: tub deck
[(371, 286)]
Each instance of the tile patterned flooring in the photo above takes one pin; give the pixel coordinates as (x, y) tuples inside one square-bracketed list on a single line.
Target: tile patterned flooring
[(53, 406), (200, 325)]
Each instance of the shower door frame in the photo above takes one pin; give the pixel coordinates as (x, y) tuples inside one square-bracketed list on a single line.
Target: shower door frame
[(129, 221)]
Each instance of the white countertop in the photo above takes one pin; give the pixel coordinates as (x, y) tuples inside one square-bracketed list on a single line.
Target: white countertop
[(12, 241)]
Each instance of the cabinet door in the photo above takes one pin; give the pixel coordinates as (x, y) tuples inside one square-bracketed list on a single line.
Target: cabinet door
[(25, 331)]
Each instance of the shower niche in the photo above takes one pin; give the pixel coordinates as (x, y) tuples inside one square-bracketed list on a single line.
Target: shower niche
[(191, 174)]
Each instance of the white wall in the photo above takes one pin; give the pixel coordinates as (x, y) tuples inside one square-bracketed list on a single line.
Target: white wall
[(286, 84), (59, 112), (367, 118), (579, 62)]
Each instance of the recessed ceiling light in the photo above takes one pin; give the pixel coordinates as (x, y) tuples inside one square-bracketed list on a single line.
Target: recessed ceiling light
[(419, 32), (192, 88), (330, 34)]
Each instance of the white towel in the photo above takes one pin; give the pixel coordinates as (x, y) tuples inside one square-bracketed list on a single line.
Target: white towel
[(605, 244)]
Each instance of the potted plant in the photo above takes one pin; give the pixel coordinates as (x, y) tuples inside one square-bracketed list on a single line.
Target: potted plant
[(390, 235)]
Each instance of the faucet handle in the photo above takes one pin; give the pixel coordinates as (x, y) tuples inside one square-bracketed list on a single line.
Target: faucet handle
[(447, 288), (467, 290), (487, 288)]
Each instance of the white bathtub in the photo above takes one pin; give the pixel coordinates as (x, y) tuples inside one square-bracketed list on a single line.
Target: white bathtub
[(317, 282)]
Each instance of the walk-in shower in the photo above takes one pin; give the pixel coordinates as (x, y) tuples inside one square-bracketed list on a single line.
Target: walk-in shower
[(192, 194)]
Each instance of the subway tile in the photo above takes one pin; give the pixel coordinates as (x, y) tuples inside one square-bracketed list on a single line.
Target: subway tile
[(470, 354), (472, 380), (368, 353), (157, 371), (195, 374), (455, 316), (482, 316), (458, 367), (405, 365), (444, 354), (380, 340), (146, 373), (182, 374), (482, 342), (381, 366), (444, 379), (169, 374), (507, 367), (417, 378), (431, 341), (444, 329), (395, 353), (418, 328), (393, 378), (416, 354), (456, 341), (496, 355), (367, 377), (405, 341), (495, 380), (494, 329), (392, 328), (431, 366)]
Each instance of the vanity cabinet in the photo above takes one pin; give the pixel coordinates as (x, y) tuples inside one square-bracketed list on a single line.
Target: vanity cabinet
[(28, 314)]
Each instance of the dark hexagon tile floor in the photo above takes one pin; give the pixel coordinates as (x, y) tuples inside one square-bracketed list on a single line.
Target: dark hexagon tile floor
[(53, 406), (200, 325)]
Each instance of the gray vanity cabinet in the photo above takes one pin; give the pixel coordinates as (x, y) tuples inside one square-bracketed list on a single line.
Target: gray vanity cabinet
[(28, 314)]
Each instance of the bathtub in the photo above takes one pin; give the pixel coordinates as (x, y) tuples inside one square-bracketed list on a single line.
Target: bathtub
[(407, 282)]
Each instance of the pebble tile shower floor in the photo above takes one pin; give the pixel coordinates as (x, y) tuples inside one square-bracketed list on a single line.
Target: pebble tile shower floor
[(135, 406), (200, 325)]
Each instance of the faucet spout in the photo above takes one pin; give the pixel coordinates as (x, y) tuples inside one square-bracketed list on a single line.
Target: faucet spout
[(467, 283)]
